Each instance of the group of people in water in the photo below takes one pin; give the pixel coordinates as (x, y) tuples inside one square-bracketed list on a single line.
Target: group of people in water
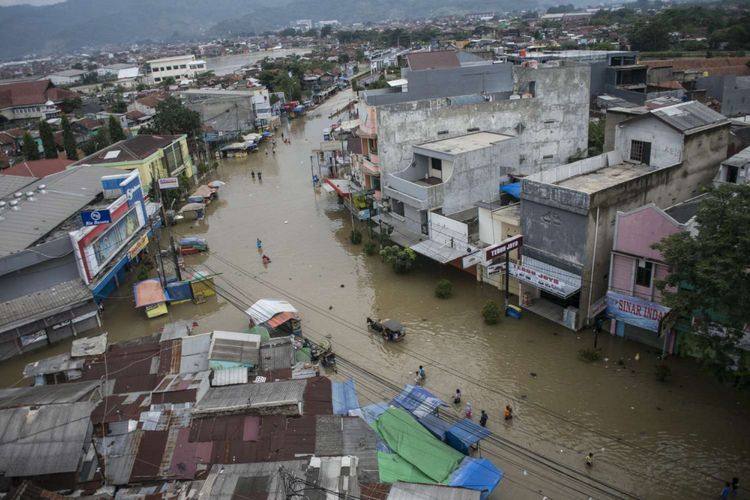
[(264, 257), (483, 417)]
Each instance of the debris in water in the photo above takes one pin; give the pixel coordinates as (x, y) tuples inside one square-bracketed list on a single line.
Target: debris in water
[(533, 374), (342, 285), (330, 308)]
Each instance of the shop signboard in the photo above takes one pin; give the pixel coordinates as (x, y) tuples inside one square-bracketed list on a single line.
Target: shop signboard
[(96, 217), (546, 277), (169, 183), (635, 311), (109, 243), (471, 260), (503, 247), (137, 247), (364, 214)]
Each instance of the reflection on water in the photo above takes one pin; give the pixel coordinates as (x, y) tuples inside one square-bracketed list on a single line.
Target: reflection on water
[(660, 440)]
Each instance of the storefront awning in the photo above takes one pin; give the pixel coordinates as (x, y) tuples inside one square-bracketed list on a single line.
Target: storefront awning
[(441, 252), (546, 277), (148, 292), (341, 186)]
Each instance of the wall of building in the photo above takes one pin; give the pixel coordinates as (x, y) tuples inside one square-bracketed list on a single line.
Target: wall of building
[(613, 119), (732, 91), (225, 114), (550, 127), (666, 142), (637, 231)]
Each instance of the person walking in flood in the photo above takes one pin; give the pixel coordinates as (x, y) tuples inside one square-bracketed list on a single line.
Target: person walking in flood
[(467, 411), (457, 397), (266, 260), (252, 172), (260, 176), (508, 413), (483, 419), (258, 243), (421, 373), (590, 460)]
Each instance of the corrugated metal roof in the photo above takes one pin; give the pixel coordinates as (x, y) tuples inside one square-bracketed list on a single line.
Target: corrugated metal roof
[(336, 436), (43, 303), (119, 455), (243, 398), (66, 193), (229, 376), (10, 184), (318, 396), (47, 440), (176, 330), (89, 346), (223, 480), (53, 364), (194, 356), (338, 475), (48, 394), (235, 346), (690, 115), (409, 491), (739, 160), (276, 354), (147, 463)]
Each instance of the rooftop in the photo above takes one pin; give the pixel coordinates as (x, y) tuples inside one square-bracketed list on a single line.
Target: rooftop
[(31, 93), (465, 143), (603, 178), (37, 168), (136, 148), (433, 60), (10, 184), (689, 116), (683, 212), (43, 303), (65, 193)]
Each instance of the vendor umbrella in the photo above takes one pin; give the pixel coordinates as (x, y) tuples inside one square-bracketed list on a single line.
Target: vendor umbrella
[(216, 184)]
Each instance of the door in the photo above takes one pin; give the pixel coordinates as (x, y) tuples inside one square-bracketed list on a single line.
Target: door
[(425, 222)]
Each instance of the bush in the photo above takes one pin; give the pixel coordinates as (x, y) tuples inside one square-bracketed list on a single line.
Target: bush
[(443, 289), (401, 259), (590, 355), (663, 372), (491, 313), (356, 237), (370, 248)]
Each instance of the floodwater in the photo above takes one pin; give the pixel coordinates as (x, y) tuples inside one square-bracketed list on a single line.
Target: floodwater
[(679, 439), (225, 65)]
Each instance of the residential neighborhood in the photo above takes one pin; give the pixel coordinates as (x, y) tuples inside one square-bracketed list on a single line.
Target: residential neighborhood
[(395, 252)]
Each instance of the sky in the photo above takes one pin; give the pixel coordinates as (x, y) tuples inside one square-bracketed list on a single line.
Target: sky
[(5, 3)]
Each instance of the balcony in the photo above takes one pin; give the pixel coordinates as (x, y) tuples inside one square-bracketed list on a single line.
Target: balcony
[(415, 194), (371, 167)]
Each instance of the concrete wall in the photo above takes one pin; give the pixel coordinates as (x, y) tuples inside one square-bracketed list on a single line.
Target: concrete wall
[(666, 142), (613, 119), (732, 91), (225, 114), (550, 127)]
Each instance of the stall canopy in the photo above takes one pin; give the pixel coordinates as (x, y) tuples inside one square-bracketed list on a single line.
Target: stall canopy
[(266, 309), (413, 443), (464, 434), (418, 401), (148, 292), (203, 191), (513, 189), (476, 474), (371, 413), (344, 397), (435, 425), (192, 207), (393, 468)]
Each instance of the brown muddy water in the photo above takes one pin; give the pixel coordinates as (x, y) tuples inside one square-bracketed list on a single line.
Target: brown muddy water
[(679, 439)]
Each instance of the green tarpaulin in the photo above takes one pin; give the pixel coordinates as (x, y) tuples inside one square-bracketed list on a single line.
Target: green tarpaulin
[(393, 468), (302, 355), (415, 445), (262, 331)]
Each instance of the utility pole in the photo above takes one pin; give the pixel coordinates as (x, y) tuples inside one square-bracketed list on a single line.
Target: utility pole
[(174, 259), (160, 261), (507, 279)]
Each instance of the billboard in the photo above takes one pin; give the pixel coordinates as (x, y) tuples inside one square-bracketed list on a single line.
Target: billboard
[(96, 217), (169, 183), (635, 311), (111, 241), (503, 247)]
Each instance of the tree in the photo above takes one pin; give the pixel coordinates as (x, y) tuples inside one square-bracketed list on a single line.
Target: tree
[(596, 137), (30, 148), (326, 31), (649, 35), (48, 140), (344, 58), (119, 106), (173, 118), (69, 142), (708, 285), (443, 289), (70, 104), (168, 82), (100, 140), (77, 66), (401, 259), (115, 130), (491, 313)]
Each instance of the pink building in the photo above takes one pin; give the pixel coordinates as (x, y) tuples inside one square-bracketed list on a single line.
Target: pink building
[(633, 301)]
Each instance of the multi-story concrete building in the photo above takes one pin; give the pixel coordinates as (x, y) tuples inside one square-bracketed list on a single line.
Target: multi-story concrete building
[(178, 67), (568, 213)]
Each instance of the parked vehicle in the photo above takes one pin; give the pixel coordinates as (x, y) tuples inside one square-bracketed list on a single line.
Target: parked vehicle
[(390, 329)]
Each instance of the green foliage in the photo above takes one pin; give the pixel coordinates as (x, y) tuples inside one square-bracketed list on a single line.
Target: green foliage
[(596, 137), (203, 168), (168, 82), (344, 58), (119, 106), (173, 118), (649, 35), (709, 280), (402, 260), (590, 354), (70, 104), (30, 148), (100, 140), (380, 83), (69, 142), (115, 130), (491, 313), (326, 31), (141, 87), (370, 248), (356, 236), (77, 66), (663, 372), (443, 289), (560, 9), (48, 140)]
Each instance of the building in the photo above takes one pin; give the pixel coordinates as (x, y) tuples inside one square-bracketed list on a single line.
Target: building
[(147, 104), (32, 100), (225, 111), (732, 91), (119, 72), (37, 168), (633, 301), (154, 156), (178, 67), (497, 223), (43, 298), (67, 77), (568, 213), (735, 169)]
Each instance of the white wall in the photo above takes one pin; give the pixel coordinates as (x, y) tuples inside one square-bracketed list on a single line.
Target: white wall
[(666, 142), (443, 229)]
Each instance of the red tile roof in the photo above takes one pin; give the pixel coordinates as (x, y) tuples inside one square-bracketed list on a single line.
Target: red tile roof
[(32, 93), (135, 114), (151, 100), (38, 168)]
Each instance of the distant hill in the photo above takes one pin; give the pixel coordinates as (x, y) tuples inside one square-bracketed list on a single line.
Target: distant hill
[(76, 24)]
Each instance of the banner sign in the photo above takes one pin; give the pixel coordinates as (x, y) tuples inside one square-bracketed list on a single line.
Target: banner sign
[(169, 183), (503, 247), (547, 277), (363, 214), (96, 217), (635, 311), (470, 260)]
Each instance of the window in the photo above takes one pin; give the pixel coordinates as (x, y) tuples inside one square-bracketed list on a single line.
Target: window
[(155, 70), (732, 174), (643, 273), (183, 66), (640, 151), (397, 207), (436, 164), (157, 79)]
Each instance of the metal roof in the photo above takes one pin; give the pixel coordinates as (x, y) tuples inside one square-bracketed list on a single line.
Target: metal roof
[(89, 346), (230, 376), (46, 440), (409, 491), (230, 481), (54, 364), (276, 354), (194, 357), (65, 194), (119, 455), (337, 436), (43, 303), (234, 346), (739, 160), (688, 116), (48, 394), (10, 184), (242, 398)]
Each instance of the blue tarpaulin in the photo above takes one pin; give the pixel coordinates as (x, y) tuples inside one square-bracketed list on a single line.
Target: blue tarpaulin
[(370, 413), (476, 474), (299, 109), (435, 425), (179, 290), (344, 397), (513, 189), (418, 401), (462, 435)]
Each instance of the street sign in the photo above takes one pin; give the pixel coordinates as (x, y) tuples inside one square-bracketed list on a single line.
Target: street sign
[(96, 217), (169, 183), (503, 247)]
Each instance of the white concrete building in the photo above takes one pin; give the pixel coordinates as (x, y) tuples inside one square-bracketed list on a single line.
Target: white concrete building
[(178, 67), (67, 77)]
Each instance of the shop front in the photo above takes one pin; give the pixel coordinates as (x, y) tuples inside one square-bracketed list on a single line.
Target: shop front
[(640, 320), (549, 291)]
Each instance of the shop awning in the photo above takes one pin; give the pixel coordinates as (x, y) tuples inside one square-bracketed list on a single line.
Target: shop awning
[(441, 252), (203, 191), (341, 186), (265, 309), (546, 277), (477, 474), (148, 292), (280, 319), (418, 401), (464, 434)]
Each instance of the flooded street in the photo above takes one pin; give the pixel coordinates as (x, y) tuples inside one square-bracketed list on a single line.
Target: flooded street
[(679, 439)]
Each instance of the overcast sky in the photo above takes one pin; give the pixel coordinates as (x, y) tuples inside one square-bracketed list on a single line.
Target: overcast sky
[(5, 3)]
